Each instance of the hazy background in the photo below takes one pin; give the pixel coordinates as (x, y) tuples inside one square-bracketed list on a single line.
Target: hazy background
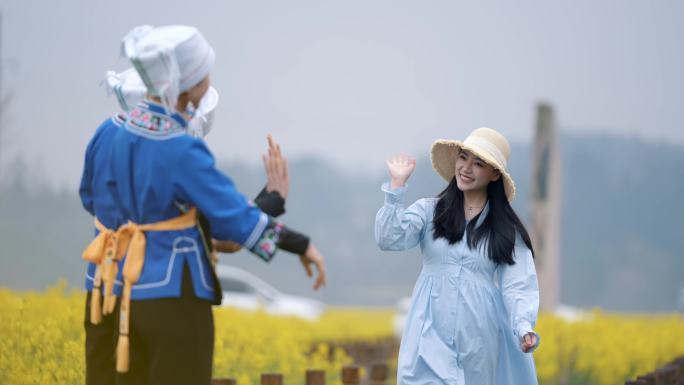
[(344, 84)]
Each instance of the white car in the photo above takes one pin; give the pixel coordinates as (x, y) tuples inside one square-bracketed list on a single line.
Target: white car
[(402, 310), (244, 290)]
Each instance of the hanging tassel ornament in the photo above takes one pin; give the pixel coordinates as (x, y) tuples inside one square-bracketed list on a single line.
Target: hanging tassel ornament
[(111, 268), (123, 347), (95, 298)]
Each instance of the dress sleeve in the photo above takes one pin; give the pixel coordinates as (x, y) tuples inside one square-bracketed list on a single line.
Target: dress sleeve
[(520, 291), (397, 228)]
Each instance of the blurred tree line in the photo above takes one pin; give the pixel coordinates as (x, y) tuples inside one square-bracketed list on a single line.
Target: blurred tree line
[(622, 228)]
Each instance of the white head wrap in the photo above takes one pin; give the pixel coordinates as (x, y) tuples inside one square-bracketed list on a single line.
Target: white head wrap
[(127, 86), (130, 89), (170, 60)]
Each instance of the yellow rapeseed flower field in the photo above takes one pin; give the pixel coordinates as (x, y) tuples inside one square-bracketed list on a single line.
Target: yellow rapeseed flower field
[(41, 342), (606, 349)]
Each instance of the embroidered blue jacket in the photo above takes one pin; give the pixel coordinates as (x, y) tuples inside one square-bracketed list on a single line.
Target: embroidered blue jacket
[(155, 171)]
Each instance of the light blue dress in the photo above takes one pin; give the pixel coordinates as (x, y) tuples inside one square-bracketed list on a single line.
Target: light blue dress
[(467, 314)]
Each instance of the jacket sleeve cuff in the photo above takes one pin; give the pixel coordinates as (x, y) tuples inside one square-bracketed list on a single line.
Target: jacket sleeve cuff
[(265, 246), (272, 203), (293, 241), (524, 330), (393, 197)]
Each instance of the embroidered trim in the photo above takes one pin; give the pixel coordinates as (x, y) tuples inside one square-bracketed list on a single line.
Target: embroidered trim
[(169, 268), (267, 245), (119, 119), (151, 121), (257, 231), (152, 134)]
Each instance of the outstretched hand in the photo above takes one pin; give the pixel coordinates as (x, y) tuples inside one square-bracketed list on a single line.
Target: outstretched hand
[(400, 169), (528, 342), (276, 169), (313, 256)]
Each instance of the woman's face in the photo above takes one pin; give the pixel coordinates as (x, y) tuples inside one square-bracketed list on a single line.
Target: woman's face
[(472, 173)]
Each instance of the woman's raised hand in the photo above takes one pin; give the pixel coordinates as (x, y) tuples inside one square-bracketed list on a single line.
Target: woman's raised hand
[(400, 168), (275, 164)]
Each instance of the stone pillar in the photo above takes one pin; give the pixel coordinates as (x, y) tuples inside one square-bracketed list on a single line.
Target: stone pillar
[(546, 207)]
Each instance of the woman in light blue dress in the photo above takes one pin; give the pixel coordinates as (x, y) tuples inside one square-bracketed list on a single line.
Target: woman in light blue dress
[(475, 303)]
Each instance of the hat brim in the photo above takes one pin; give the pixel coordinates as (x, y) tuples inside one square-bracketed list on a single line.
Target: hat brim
[(444, 153)]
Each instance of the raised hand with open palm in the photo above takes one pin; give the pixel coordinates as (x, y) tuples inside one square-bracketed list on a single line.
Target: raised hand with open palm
[(400, 168)]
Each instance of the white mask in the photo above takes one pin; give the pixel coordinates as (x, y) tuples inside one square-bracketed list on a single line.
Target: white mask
[(202, 117), (130, 90)]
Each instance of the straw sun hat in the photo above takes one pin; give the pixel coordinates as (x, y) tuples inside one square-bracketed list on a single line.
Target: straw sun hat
[(485, 143)]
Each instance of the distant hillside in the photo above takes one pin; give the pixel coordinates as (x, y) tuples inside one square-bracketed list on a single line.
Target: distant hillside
[(622, 230)]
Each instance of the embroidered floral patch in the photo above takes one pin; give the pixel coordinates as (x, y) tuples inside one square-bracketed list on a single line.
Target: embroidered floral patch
[(152, 121), (266, 246)]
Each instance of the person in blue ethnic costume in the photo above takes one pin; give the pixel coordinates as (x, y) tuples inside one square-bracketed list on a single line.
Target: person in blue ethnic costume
[(101, 331), (475, 303), (101, 309), (158, 177)]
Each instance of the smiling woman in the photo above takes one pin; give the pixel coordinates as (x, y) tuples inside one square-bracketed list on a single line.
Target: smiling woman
[(473, 174), (474, 307)]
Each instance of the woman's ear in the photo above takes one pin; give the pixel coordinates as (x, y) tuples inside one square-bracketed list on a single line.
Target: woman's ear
[(496, 175), (183, 101)]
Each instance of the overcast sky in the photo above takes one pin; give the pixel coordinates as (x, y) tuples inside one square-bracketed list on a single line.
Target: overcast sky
[(353, 80)]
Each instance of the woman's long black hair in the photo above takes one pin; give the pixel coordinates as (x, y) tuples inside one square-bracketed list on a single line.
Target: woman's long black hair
[(498, 229)]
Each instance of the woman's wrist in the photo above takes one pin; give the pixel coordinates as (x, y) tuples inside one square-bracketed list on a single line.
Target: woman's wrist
[(397, 183)]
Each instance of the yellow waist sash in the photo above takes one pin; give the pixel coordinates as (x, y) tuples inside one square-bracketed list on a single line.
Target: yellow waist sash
[(103, 251), (110, 246)]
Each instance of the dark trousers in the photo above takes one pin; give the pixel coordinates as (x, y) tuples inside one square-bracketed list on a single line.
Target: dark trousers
[(171, 340), (100, 347)]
